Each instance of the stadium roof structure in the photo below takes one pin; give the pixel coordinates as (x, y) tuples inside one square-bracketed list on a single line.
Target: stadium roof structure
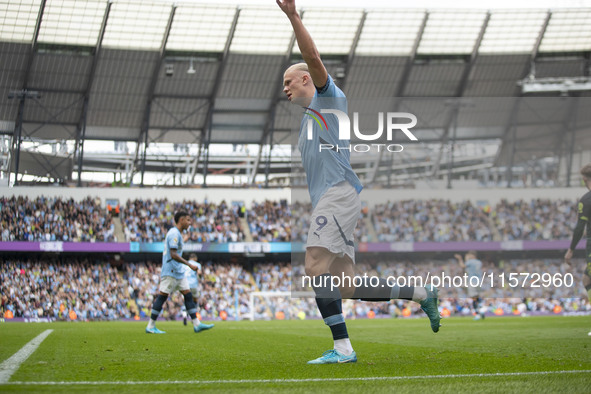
[(194, 75)]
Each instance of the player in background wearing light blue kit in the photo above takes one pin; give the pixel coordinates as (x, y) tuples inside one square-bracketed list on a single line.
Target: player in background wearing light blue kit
[(473, 268), (193, 281), (334, 190), (172, 276)]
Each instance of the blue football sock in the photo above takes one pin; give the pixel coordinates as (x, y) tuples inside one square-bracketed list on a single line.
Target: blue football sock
[(157, 306), (330, 306), (190, 305)]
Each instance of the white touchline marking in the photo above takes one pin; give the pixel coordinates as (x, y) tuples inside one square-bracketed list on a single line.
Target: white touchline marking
[(246, 381), (10, 366)]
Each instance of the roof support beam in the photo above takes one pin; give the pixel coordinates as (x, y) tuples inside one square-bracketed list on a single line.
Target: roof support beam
[(181, 96), (18, 130), (143, 136), (17, 138), (63, 91), (81, 128), (177, 121), (33, 50), (473, 56), (353, 49), (50, 168), (509, 175), (529, 68), (400, 90), (453, 118), (269, 156), (570, 126), (272, 110), (216, 87), (571, 153), (35, 97), (410, 61)]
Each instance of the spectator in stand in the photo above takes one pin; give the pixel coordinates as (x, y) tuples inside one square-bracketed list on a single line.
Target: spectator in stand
[(270, 221), (430, 220), (534, 220), (53, 219), (148, 221), (48, 288)]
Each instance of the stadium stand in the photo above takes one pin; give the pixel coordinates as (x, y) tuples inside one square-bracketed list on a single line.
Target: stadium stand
[(148, 221), (46, 287), (430, 220), (270, 221), (55, 219)]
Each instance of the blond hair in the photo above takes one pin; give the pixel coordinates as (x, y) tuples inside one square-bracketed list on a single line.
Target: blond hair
[(303, 67)]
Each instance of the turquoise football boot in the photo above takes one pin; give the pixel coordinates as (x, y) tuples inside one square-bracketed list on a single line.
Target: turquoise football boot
[(332, 356), (154, 331), (429, 306), (202, 327)]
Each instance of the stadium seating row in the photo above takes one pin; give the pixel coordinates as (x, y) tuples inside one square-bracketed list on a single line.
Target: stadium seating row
[(91, 290), (56, 219)]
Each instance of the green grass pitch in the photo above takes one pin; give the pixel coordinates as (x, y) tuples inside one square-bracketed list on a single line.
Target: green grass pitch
[(256, 356)]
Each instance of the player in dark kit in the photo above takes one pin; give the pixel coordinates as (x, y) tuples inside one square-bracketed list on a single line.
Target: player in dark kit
[(583, 215)]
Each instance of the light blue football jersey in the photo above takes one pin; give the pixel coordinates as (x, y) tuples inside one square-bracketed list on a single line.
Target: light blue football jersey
[(326, 168), (170, 267), (474, 268), (191, 277)]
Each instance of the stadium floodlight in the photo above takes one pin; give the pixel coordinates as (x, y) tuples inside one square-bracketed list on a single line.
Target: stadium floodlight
[(561, 85)]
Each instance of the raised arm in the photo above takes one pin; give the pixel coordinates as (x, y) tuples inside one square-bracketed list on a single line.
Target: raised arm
[(460, 260), (305, 43)]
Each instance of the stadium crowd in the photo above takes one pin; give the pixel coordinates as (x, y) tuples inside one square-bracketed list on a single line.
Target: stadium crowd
[(430, 220), (149, 220), (53, 289), (535, 219), (56, 219), (269, 221), (80, 289)]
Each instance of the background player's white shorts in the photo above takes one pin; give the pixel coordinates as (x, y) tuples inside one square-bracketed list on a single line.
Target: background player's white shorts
[(168, 284), (334, 220)]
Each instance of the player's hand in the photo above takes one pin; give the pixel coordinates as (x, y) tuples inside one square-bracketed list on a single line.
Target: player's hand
[(568, 256), (458, 257), (287, 6), (195, 266)]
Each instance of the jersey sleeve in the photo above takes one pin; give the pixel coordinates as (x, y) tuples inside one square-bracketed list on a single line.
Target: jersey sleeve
[(173, 241), (330, 89), (583, 214), (584, 210)]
